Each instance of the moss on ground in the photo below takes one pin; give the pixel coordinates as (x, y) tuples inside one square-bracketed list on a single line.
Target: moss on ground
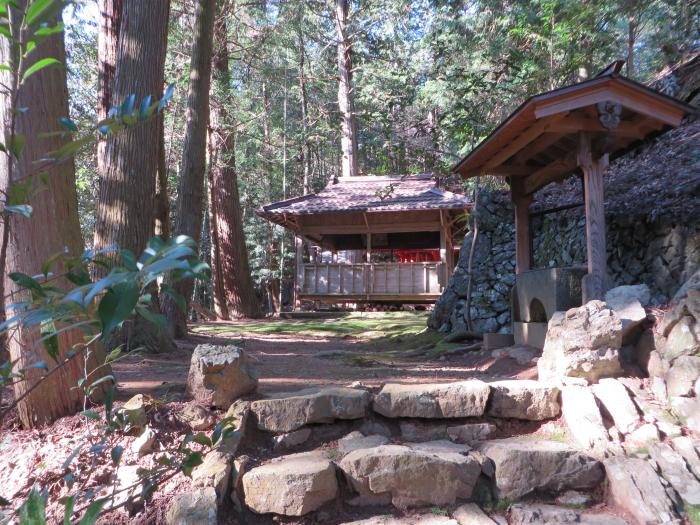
[(693, 512), (390, 332)]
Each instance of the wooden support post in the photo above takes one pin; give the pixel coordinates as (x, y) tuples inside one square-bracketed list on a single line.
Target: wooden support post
[(594, 284), (299, 275), (443, 257), (334, 256), (368, 254), (521, 202)]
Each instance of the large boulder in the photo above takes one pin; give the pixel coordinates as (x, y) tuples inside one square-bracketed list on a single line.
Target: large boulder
[(471, 514), (628, 303), (682, 376), (541, 514), (197, 507), (292, 485), (584, 419), (617, 401), (524, 466), (448, 400), (219, 375), (411, 475), (582, 342), (675, 471), (522, 399), (356, 440), (636, 488), (290, 411), (424, 519), (470, 433)]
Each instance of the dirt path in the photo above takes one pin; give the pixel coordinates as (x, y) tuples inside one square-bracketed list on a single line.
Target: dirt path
[(288, 361)]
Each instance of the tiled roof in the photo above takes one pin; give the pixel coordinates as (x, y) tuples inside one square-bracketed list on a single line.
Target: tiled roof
[(371, 194)]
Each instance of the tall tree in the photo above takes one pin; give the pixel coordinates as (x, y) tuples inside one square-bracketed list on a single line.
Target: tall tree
[(127, 187), (346, 102), (53, 227), (191, 184), (234, 294)]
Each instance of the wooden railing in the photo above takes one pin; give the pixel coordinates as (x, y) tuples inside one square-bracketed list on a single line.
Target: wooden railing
[(373, 279)]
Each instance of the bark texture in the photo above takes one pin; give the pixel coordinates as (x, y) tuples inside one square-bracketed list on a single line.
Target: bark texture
[(346, 102), (107, 48), (125, 205), (234, 293), (191, 183), (53, 227)]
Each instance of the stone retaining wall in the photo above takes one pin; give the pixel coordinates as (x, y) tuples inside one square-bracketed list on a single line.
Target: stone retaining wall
[(661, 254)]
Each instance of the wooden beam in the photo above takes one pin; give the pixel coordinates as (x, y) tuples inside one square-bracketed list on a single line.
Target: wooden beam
[(581, 123), (594, 284), (549, 173), (299, 273), (521, 202), (543, 142), (397, 227), (525, 138), (507, 170)]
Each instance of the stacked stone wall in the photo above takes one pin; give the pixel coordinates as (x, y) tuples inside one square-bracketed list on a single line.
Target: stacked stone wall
[(662, 254)]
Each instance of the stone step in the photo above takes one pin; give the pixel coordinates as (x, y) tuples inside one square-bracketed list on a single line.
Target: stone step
[(291, 411), (523, 466)]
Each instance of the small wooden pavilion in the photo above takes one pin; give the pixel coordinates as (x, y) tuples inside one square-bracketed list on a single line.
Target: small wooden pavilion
[(573, 130), (373, 219)]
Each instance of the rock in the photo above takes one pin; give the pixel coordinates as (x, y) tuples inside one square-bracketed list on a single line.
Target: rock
[(425, 519), (417, 431), (674, 470), (128, 476), (628, 303), (643, 437), (524, 466), (143, 444), (292, 485), (440, 446), (471, 433), (681, 377), (471, 514), (290, 411), (635, 487), (616, 399), (669, 430), (584, 419), (690, 453), (371, 427), (582, 342), (522, 514), (214, 472), (134, 410), (241, 465), (573, 498), (393, 470), (688, 411), (196, 417), (197, 507), (523, 399), (291, 439), (462, 399), (219, 375), (682, 340), (355, 441), (657, 366)]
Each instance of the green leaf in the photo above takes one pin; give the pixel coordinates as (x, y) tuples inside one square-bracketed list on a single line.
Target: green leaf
[(16, 144), (117, 305), (202, 439), (117, 454), (68, 504), (79, 276), (20, 209), (93, 512), (71, 148), (33, 510), (49, 338), (192, 460), (128, 259), (179, 299), (156, 319), (39, 65), (91, 414), (35, 10), (68, 124), (48, 31), (166, 96), (23, 280), (48, 263)]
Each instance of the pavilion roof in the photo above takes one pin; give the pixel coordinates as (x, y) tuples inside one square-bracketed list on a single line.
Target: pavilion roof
[(370, 194), (538, 142)]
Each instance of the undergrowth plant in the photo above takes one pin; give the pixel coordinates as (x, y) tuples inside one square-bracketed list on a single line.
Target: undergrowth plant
[(57, 301)]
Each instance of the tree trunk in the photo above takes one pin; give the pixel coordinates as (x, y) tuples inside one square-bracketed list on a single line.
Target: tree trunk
[(304, 100), (162, 213), (126, 203), (107, 49), (53, 228), (346, 104), (234, 293), (191, 185)]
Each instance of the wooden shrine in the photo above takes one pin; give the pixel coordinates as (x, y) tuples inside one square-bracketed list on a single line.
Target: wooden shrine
[(365, 217)]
